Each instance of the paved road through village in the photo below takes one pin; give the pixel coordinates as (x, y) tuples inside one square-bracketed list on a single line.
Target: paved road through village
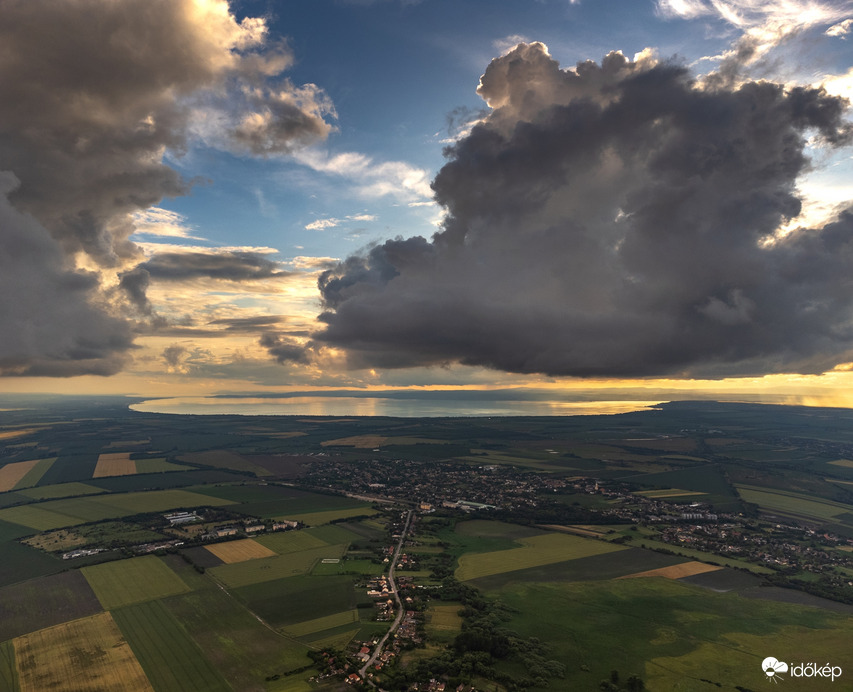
[(381, 645)]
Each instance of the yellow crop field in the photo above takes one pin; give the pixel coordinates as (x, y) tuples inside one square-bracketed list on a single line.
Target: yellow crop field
[(114, 464), (12, 434), (239, 551), (11, 474), (685, 569), (300, 629), (88, 654), (536, 551)]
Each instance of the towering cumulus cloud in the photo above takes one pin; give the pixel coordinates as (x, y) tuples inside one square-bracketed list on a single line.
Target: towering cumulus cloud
[(616, 219), (94, 94)]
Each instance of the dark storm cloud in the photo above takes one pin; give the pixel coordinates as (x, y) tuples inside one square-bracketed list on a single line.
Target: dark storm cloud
[(284, 349), (613, 220), (94, 92), (228, 266), (250, 324), (49, 323)]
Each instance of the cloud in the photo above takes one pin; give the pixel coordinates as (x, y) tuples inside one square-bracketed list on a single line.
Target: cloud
[(284, 349), (323, 224), (227, 266), (371, 179), (53, 324), (95, 94), (764, 24), (612, 220), (163, 223), (841, 29)]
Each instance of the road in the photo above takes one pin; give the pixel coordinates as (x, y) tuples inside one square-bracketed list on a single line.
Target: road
[(381, 645)]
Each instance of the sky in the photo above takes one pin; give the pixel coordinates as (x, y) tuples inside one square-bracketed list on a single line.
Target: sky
[(588, 199)]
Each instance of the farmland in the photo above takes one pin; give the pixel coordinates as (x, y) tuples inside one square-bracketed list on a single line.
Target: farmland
[(270, 568), (69, 512), (676, 629), (170, 659), (561, 508), (536, 551), (90, 651), (43, 602), (239, 551), (131, 581)]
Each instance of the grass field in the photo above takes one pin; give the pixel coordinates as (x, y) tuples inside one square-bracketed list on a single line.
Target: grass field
[(335, 641), (593, 568), (139, 579), (267, 569), (55, 492), (350, 566), (114, 464), (43, 602), (301, 629), (241, 648), (357, 441), (223, 459), (679, 635), (8, 669), (319, 518), (158, 466), (291, 541), (297, 599), (169, 657), (90, 653), (536, 551), (239, 551), (482, 528), (443, 622), (79, 510), (786, 502)]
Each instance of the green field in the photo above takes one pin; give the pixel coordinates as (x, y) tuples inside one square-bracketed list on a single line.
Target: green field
[(536, 551), (269, 568), (139, 579), (592, 568), (53, 492), (795, 504), (349, 566), (290, 541), (318, 518), (301, 629), (70, 512), (443, 622), (298, 599), (8, 669), (169, 657), (243, 649), (682, 638), (34, 475), (158, 466)]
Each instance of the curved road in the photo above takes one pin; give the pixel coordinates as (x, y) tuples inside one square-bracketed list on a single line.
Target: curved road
[(381, 645)]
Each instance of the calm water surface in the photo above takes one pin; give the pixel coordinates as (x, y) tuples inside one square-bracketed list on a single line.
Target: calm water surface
[(381, 406)]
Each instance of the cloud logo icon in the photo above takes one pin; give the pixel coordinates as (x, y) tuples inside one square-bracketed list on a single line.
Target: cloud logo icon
[(772, 667)]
